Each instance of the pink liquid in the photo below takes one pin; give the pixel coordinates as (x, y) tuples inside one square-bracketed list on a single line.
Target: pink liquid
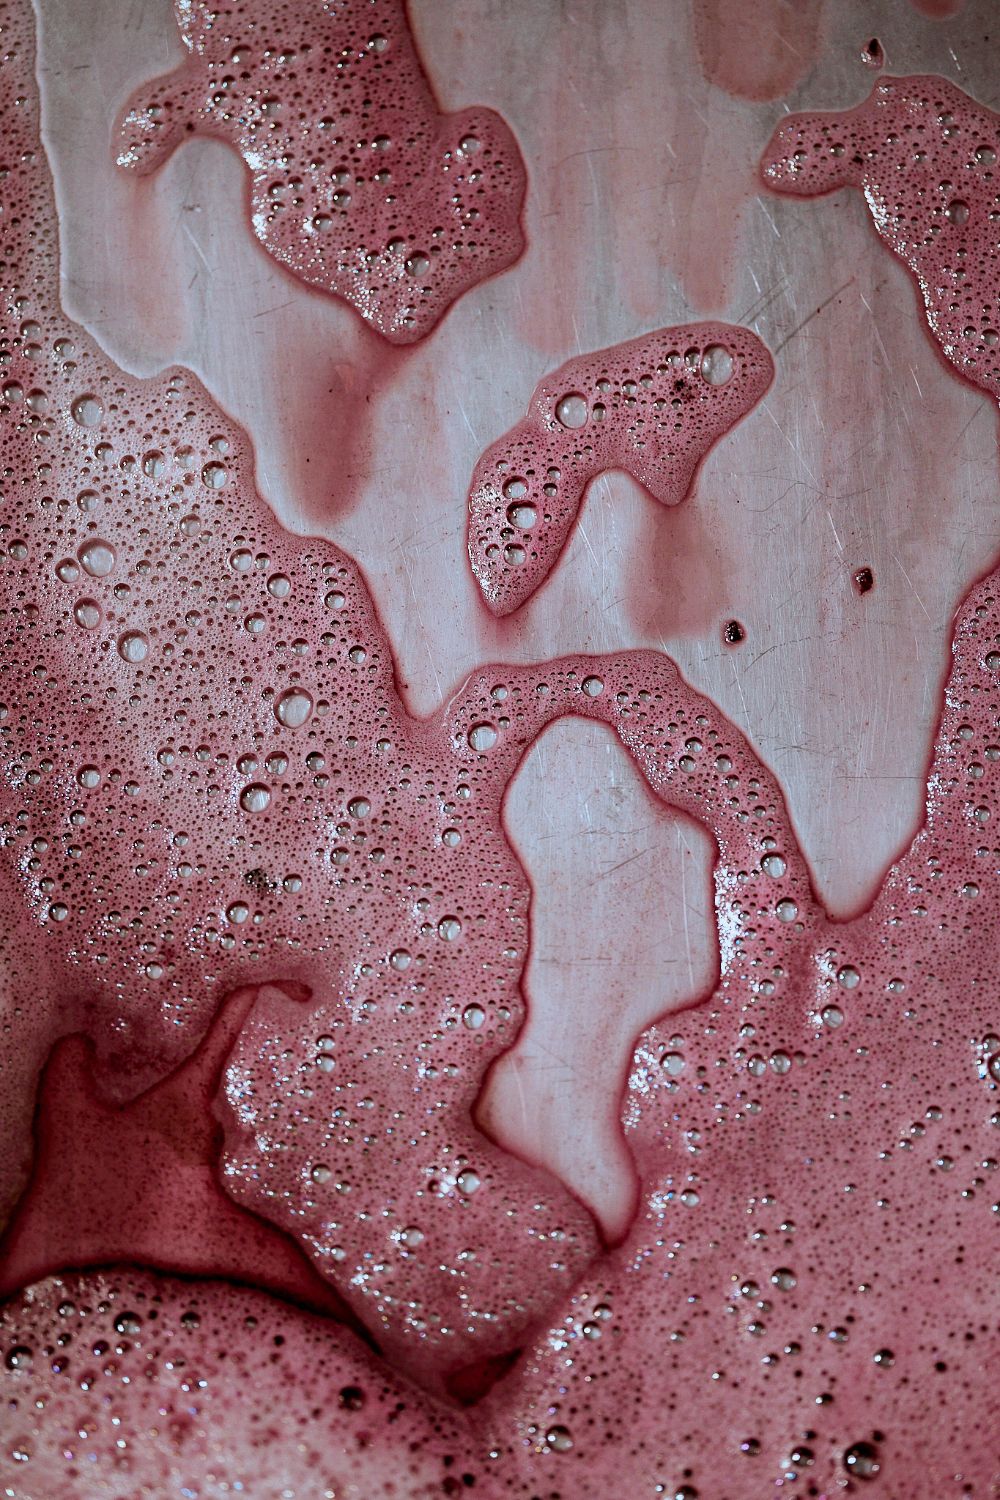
[(360, 185), (653, 407), (287, 918)]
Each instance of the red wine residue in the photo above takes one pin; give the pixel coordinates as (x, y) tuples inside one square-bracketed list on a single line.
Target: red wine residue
[(654, 407), (360, 185), (231, 858)]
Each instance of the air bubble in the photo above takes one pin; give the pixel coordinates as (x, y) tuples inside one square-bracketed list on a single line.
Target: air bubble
[(293, 707), (572, 410), (716, 365), (87, 411), (87, 613), (254, 798), (98, 558), (133, 646), (482, 737)]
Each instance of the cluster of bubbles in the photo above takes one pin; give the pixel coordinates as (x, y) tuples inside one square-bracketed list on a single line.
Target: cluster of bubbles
[(360, 185), (653, 406), (925, 156), (210, 782)]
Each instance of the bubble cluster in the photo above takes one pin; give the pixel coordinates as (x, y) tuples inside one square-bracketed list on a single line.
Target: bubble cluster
[(654, 407), (210, 785), (360, 185), (925, 156)]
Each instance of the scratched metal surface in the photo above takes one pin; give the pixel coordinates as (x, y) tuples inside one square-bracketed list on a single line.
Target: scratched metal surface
[(643, 210)]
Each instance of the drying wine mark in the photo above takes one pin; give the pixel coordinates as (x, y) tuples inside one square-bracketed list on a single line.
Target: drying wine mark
[(654, 407), (149, 1386), (360, 186), (756, 49), (211, 784), (925, 156)]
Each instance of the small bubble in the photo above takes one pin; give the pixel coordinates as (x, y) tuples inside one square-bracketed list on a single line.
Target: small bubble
[(786, 911), (87, 613), (716, 365), (848, 976), (400, 959), (592, 686), (559, 1439), (133, 646), (97, 557), (359, 807), (861, 1461), (957, 212), (571, 410), (87, 411), (214, 476), (473, 1017), (293, 707), (482, 737), (773, 865), (467, 1181), (522, 516), (832, 1016), (254, 798), (237, 913), (279, 586), (449, 929)]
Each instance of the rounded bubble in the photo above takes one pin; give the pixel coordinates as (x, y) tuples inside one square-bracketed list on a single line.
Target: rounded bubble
[(572, 410), (482, 737), (293, 707), (559, 1439), (254, 798), (87, 410), (716, 366), (133, 646), (861, 1461), (97, 557), (87, 613)]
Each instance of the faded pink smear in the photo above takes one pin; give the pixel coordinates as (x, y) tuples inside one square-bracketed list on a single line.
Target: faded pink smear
[(756, 49), (654, 407), (360, 185)]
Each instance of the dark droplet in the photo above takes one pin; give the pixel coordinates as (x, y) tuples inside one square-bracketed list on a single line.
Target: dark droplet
[(733, 633), (864, 579)]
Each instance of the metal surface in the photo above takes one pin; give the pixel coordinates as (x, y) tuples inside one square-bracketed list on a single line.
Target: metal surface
[(643, 209)]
